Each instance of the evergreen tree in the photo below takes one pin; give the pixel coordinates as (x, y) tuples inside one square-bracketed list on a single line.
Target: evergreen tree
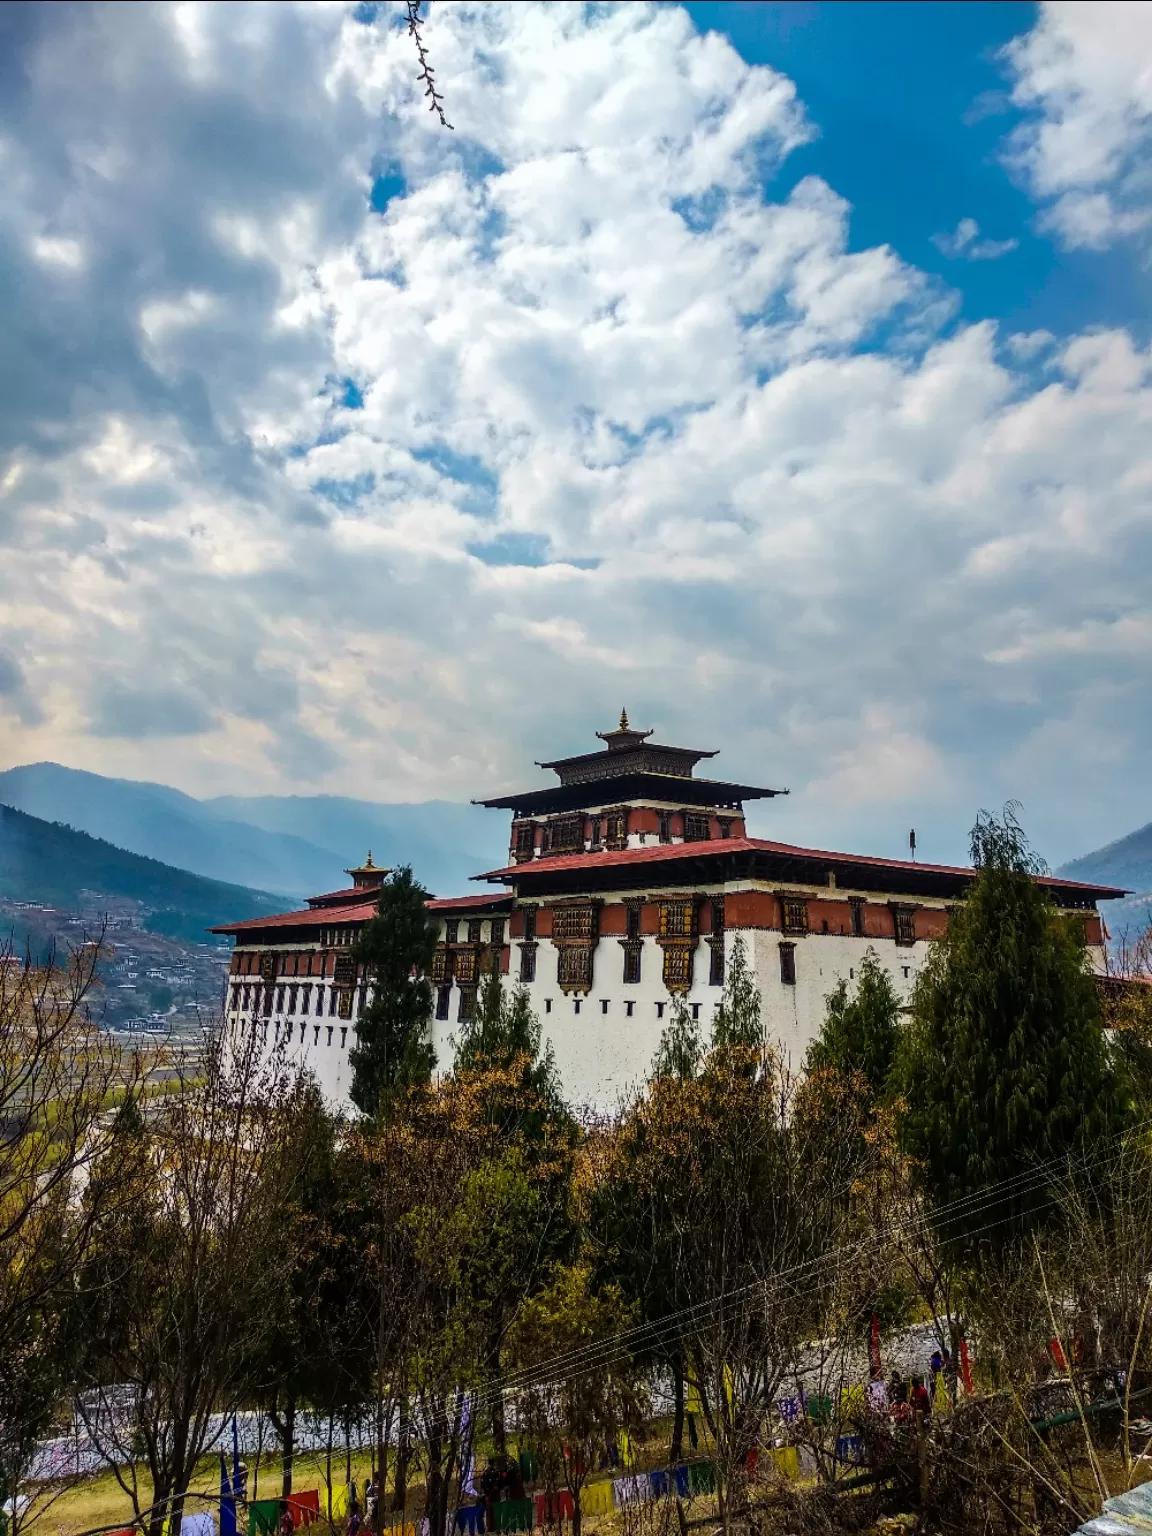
[(393, 1049), (1005, 1064), (738, 1016), (680, 1049), (500, 1048), (860, 1029)]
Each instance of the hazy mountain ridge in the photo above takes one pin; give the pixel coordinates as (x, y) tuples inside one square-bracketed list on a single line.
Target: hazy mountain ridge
[(299, 844), (1127, 863), (48, 862)]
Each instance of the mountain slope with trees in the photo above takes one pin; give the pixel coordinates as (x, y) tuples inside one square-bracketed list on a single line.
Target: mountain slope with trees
[(47, 862)]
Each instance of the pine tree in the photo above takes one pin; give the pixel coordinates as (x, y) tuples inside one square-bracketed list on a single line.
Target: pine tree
[(1005, 1065), (680, 1049), (393, 1048), (501, 1048), (738, 1016), (860, 1029)]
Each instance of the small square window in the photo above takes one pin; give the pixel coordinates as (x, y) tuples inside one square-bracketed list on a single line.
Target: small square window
[(695, 1010), (716, 965), (659, 1010), (474, 931), (576, 1007), (547, 1005), (467, 1008), (497, 933), (697, 828), (632, 963), (603, 1005), (527, 962), (443, 997), (529, 924), (795, 914), (525, 844), (632, 920), (628, 1007), (451, 930), (904, 925)]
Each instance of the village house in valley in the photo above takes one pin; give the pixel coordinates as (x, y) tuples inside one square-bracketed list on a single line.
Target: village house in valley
[(627, 882)]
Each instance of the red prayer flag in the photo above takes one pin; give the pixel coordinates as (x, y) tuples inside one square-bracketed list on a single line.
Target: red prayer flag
[(1057, 1354), (305, 1507)]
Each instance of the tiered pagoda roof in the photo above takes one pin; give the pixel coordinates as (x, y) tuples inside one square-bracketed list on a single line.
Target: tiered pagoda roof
[(630, 767)]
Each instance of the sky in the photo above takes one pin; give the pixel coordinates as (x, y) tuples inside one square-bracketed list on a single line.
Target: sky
[(781, 372)]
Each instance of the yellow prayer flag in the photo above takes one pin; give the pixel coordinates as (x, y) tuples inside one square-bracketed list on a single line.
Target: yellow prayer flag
[(941, 1402), (596, 1499), (787, 1460)]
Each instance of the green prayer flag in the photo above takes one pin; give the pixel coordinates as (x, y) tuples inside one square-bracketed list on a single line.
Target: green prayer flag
[(514, 1514), (264, 1517), (702, 1477)]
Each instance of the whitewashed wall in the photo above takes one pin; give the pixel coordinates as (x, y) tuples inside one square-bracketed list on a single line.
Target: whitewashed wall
[(603, 1051)]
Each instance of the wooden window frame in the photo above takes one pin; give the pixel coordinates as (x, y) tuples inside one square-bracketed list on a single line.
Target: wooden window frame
[(788, 965)]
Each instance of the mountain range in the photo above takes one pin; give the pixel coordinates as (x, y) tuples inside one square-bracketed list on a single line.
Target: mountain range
[(297, 844)]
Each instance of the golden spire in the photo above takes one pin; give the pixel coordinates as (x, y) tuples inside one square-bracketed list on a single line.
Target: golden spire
[(623, 719), (368, 864)]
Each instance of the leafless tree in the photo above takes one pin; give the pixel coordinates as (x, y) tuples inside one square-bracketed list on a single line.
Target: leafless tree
[(60, 1076), (186, 1269)]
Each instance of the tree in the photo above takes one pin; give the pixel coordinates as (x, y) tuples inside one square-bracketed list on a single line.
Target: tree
[(59, 1076), (860, 1029), (185, 1274), (738, 1016), (570, 1417), (300, 1359), (498, 1053), (393, 1047), (514, 1216), (680, 1049), (1005, 1064)]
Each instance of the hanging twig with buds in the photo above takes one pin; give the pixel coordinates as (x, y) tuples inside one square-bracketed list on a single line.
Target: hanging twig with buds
[(426, 71)]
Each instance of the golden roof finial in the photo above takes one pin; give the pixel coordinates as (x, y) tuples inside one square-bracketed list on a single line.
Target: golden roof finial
[(368, 864), (623, 719)]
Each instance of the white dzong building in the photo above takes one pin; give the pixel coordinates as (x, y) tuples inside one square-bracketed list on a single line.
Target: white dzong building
[(627, 882)]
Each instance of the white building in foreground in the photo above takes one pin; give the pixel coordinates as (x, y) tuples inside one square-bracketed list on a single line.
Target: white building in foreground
[(627, 882)]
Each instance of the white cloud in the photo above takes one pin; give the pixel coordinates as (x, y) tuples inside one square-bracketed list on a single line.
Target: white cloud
[(1084, 74), (631, 417), (964, 242)]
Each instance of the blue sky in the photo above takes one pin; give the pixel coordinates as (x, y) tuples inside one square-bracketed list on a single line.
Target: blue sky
[(913, 105), (781, 372)]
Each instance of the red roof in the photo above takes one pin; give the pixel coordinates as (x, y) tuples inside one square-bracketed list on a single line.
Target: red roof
[(471, 903), (660, 853), (334, 898), (361, 912), (308, 919)]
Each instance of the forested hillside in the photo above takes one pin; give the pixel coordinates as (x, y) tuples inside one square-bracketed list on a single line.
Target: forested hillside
[(49, 862)]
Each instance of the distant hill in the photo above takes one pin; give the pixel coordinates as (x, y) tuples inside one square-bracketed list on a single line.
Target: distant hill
[(46, 862), (1126, 863), (445, 842), (296, 844)]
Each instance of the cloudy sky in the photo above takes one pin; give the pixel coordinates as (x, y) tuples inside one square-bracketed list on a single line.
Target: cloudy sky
[(782, 372)]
